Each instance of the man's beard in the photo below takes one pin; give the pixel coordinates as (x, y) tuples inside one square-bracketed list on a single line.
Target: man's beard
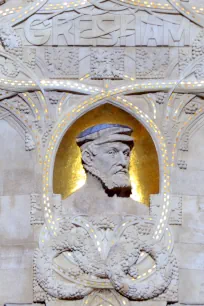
[(113, 182), (116, 181)]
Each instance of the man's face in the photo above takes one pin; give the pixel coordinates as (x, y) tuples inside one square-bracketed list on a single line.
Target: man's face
[(112, 162)]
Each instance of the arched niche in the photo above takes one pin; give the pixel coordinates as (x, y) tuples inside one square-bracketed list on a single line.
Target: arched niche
[(68, 173)]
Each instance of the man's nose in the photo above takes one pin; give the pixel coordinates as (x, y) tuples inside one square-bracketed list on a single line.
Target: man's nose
[(122, 160)]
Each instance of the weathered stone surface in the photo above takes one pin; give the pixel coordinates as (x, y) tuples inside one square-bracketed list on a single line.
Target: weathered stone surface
[(16, 270), (190, 256), (15, 219), (16, 256), (17, 165), (190, 184), (192, 230), (191, 289), (16, 285), (58, 60)]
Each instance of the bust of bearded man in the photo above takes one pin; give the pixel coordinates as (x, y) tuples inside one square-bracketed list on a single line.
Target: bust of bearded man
[(105, 150)]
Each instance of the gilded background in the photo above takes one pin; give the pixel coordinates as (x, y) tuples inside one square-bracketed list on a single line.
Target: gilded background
[(144, 168)]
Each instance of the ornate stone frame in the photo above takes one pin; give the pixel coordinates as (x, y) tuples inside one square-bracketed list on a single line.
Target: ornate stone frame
[(61, 128), (63, 125), (98, 96)]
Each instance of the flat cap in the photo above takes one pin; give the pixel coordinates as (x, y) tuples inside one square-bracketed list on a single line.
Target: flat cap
[(103, 133)]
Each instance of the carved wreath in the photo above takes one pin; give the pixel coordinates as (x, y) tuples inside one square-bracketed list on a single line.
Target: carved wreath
[(118, 269)]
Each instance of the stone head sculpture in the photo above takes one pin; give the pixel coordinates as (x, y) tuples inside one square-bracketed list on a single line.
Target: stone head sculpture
[(105, 150)]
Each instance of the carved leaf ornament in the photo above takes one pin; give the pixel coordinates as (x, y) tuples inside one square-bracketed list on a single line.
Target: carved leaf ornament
[(113, 271)]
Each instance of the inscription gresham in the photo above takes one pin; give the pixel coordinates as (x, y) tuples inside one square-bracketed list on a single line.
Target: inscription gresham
[(107, 29)]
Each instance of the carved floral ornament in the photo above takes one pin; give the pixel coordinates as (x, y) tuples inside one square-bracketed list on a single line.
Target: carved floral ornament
[(118, 267), (131, 241), (109, 266), (78, 87), (144, 118)]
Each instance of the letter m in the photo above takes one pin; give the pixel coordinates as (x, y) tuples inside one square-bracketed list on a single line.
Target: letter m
[(177, 35)]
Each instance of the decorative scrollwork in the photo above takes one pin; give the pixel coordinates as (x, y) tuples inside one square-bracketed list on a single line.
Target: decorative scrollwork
[(79, 240), (124, 256)]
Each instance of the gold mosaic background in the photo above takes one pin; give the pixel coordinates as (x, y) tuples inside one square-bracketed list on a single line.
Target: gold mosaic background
[(144, 168)]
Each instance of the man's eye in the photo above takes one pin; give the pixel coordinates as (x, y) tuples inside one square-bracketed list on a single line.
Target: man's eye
[(112, 152), (127, 153)]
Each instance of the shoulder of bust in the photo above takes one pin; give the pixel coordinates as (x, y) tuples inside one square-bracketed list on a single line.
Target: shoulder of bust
[(140, 208)]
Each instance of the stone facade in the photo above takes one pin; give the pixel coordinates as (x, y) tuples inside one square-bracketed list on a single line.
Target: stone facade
[(58, 61)]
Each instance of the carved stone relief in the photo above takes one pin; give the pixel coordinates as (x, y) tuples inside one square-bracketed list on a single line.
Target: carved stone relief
[(9, 68), (185, 58), (184, 142), (152, 63), (192, 107), (23, 107), (47, 132), (54, 97), (106, 63), (182, 164), (112, 268), (29, 143), (176, 211), (11, 41), (29, 57), (62, 62), (104, 30), (160, 97), (36, 215), (197, 49), (100, 247)]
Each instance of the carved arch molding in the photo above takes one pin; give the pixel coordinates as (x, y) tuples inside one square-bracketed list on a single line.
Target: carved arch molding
[(61, 60)]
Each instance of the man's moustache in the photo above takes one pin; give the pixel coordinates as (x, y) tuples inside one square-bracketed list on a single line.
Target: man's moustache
[(121, 171)]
